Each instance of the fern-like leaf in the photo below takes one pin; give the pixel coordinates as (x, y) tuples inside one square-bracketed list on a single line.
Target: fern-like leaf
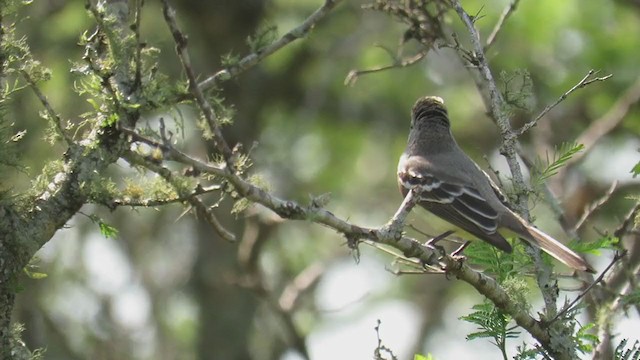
[(550, 166)]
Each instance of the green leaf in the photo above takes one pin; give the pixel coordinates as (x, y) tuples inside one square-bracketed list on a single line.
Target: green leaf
[(265, 36), (594, 247), (35, 275), (636, 170), (632, 298), (106, 230), (585, 340), (492, 323), (423, 357), (552, 164)]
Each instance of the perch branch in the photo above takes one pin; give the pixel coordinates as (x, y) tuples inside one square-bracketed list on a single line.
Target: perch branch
[(389, 234)]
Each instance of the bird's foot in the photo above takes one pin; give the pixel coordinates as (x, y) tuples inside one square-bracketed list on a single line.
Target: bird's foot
[(433, 242), (457, 253)]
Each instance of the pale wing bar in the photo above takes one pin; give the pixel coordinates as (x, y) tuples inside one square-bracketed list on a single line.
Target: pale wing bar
[(466, 201)]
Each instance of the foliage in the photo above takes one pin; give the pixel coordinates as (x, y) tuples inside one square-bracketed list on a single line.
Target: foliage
[(548, 167), (108, 231), (492, 323), (595, 247), (636, 170)]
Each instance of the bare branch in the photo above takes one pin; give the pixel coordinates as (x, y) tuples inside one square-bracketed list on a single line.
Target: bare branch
[(212, 219), (48, 108), (170, 177), (353, 75), (497, 109), (609, 121), (138, 55), (595, 206), (253, 59), (508, 10), (586, 80), (627, 222), (207, 110), (617, 257), (301, 284)]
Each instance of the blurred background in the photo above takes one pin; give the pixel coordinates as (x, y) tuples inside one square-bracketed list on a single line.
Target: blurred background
[(168, 288)]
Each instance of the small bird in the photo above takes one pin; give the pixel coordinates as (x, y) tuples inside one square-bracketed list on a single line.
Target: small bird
[(455, 188)]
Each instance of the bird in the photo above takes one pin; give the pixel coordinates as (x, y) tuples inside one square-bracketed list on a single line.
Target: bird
[(454, 188)]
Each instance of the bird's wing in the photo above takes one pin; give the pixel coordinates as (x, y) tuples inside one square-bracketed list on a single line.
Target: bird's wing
[(496, 190), (460, 204)]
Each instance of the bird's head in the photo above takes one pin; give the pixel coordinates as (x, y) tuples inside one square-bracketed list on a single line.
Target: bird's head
[(429, 112)]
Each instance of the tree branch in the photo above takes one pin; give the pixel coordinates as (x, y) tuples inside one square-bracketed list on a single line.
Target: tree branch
[(609, 121), (586, 80), (389, 234), (508, 10), (181, 48), (253, 59), (353, 75)]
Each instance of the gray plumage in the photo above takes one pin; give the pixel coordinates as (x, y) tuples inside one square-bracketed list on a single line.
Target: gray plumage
[(455, 189)]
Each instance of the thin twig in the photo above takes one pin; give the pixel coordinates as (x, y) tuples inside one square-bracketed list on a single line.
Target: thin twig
[(628, 221), (609, 121), (508, 10), (175, 154), (551, 199), (300, 285), (595, 206), (211, 218), (254, 58), (353, 75), (207, 110), (396, 223), (57, 120), (137, 82), (586, 80), (169, 176), (616, 258)]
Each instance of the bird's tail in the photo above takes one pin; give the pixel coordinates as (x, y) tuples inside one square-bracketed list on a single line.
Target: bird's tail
[(556, 249)]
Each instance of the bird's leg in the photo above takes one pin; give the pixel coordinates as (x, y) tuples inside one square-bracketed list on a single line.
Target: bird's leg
[(432, 243), (459, 250)]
